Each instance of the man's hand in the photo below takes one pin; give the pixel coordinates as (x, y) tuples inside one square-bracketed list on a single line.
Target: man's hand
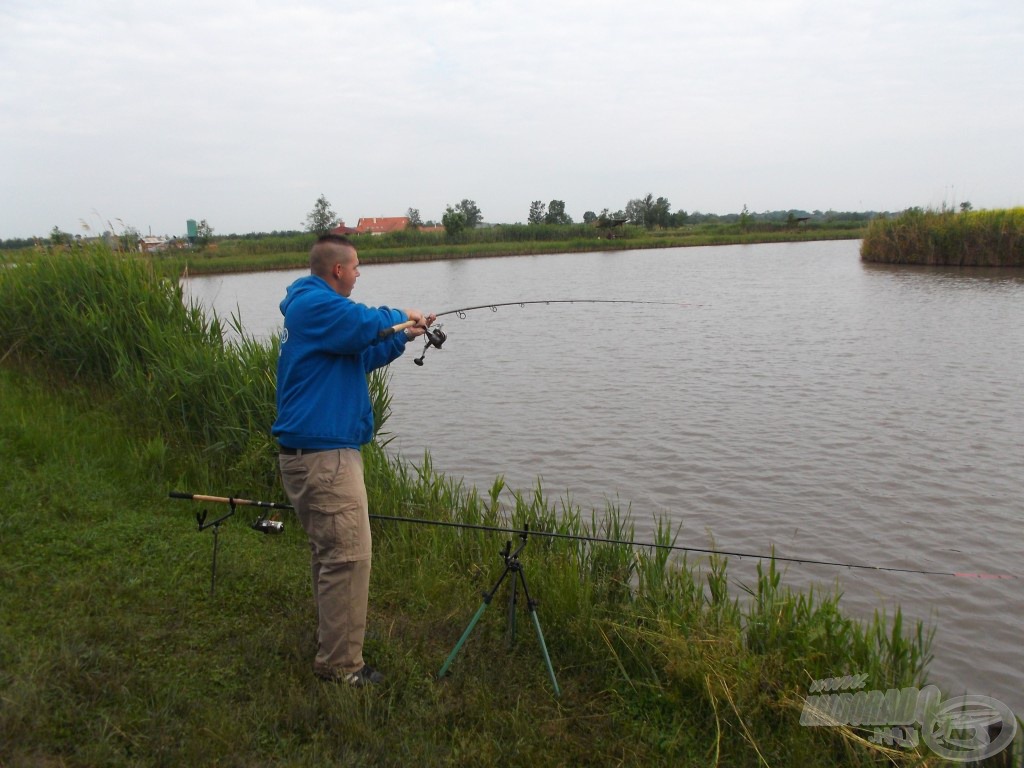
[(422, 322)]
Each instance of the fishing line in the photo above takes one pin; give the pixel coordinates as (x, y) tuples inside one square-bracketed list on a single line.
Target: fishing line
[(461, 311), (435, 337), (619, 542)]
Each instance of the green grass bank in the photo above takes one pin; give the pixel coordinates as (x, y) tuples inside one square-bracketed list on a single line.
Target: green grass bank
[(947, 238), (262, 252), (291, 252), (114, 652)]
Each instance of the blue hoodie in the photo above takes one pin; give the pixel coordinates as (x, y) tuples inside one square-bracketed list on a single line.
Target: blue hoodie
[(328, 345)]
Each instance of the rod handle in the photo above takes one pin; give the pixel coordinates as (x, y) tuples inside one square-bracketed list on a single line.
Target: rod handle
[(387, 332), (202, 497)]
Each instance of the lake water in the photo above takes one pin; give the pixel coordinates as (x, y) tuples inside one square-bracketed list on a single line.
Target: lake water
[(802, 400)]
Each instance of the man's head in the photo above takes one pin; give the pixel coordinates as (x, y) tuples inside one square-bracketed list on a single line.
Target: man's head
[(334, 258)]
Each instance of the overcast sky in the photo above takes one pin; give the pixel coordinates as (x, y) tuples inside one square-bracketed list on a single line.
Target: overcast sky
[(147, 114)]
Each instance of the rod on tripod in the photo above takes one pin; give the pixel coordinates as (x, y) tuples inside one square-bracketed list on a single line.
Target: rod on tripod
[(515, 567), (203, 525)]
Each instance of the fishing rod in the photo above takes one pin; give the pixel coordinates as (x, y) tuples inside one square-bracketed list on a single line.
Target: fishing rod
[(262, 524), (435, 337), (619, 542)]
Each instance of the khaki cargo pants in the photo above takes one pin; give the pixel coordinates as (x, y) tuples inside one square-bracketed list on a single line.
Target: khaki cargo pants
[(327, 490)]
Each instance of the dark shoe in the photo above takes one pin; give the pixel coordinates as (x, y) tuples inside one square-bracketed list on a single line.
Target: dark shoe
[(365, 676)]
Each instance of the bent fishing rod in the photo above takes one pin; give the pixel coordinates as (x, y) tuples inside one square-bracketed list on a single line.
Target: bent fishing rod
[(435, 337), (600, 540)]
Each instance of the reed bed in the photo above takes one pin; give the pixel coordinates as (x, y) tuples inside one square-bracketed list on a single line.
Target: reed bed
[(989, 238), (112, 387)]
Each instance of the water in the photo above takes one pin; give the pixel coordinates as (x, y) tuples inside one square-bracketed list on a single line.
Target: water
[(803, 401)]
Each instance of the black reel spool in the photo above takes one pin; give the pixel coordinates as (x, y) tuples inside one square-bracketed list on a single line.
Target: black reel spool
[(435, 337)]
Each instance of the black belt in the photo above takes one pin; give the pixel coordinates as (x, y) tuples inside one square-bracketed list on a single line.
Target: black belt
[(300, 451)]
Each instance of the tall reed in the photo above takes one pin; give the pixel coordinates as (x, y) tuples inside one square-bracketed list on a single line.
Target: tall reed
[(989, 238), (106, 320)]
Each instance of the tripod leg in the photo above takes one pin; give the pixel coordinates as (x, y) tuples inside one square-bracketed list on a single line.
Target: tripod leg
[(465, 636), (512, 601), (544, 650), (476, 617), (531, 605), (213, 563)]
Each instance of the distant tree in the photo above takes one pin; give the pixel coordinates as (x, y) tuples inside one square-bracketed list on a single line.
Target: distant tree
[(744, 217), (204, 233), (454, 221), (966, 206), (660, 214), (538, 211), (17, 242), (635, 211), (589, 217), (59, 238), (469, 209), (556, 213), (414, 217), (649, 212), (321, 219), (129, 239), (647, 206)]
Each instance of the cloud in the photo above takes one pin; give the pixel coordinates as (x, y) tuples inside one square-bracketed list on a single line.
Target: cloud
[(243, 113)]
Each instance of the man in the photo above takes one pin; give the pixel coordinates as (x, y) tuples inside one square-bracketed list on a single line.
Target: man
[(328, 346)]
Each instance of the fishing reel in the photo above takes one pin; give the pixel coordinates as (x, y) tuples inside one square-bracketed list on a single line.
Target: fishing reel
[(434, 337), (268, 525), (263, 523)]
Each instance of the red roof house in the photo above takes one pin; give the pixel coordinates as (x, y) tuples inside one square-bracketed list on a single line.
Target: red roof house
[(382, 226)]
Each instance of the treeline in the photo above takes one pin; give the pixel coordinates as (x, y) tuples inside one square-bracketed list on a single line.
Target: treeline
[(648, 212), (602, 227), (793, 215), (947, 238), (302, 241)]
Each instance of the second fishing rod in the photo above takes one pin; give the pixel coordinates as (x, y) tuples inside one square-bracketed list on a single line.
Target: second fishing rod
[(672, 547)]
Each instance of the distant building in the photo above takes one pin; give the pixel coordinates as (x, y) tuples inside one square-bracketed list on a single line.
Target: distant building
[(382, 226), (341, 229), (152, 244)]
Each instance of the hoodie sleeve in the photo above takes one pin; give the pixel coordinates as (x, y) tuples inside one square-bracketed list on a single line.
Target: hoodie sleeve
[(383, 351), (344, 327), (381, 354)]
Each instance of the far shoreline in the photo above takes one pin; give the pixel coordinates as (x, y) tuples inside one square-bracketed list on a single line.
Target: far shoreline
[(206, 263)]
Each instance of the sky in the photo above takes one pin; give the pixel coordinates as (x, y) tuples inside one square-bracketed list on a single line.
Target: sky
[(125, 113)]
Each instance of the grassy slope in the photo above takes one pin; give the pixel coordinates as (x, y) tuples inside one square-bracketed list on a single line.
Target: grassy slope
[(115, 652)]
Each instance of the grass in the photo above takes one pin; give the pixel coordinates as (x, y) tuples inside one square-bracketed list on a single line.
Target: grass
[(115, 652), (947, 238)]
